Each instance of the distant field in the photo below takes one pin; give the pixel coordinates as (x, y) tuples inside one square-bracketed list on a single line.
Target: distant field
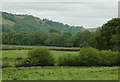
[(91, 29), (23, 53), (61, 73), (17, 47), (14, 53)]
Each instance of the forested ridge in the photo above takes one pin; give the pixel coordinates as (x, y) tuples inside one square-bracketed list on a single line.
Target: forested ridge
[(29, 23), (106, 37)]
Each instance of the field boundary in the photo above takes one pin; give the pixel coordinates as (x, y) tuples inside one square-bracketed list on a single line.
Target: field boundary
[(16, 47)]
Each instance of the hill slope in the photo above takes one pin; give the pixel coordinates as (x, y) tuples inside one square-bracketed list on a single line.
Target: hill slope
[(29, 23), (91, 29)]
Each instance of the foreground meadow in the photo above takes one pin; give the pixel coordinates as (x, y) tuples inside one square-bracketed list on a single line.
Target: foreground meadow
[(60, 73), (10, 72)]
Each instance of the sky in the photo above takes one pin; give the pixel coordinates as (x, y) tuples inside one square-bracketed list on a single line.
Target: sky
[(59, 0), (89, 14)]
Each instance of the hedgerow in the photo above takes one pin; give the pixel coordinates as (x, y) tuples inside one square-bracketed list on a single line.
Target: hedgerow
[(87, 56)]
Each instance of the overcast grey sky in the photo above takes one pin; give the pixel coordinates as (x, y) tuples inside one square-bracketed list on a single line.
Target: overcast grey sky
[(87, 14), (60, 0)]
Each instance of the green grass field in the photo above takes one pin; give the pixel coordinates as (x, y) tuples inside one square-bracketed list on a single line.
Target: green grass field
[(14, 53), (61, 73), (23, 53), (10, 56), (54, 73)]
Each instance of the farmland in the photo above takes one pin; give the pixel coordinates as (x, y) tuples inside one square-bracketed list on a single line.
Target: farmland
[(23, 53), (53, 72), (10, 57), (61, 73)]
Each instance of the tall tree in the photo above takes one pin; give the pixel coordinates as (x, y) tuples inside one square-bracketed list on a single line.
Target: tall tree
[(55, 30), (54, 39), (108, 38)]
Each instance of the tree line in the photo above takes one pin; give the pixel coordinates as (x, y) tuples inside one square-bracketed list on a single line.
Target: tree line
[(53, 38), (104, 38)]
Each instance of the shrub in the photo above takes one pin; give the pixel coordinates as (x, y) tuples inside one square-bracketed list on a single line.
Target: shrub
[(67, 60), (89, 57), (19, 62), (18, 58), (27, 62), (108, 58), (39, 57), (118, 59)]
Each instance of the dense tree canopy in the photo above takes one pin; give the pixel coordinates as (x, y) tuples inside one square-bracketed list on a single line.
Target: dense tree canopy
[(29, 23), (54, 38), (106, 37)]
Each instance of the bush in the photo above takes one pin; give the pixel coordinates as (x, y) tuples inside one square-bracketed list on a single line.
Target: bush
[(19, 58), (118, 59), (89, 57), (67, 60), (39, 57), (108, 58), (19, 62)]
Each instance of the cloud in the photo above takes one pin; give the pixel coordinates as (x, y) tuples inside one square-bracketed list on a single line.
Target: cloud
[(60, 0), (88, 14)]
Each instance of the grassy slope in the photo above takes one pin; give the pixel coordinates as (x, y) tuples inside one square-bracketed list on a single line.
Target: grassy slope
[(28, 23), (7, 22), (61, 73)]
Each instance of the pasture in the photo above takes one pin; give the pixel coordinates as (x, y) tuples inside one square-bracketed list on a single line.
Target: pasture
[(11, 72), (23, 53), (60, 73), (11, 57)]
